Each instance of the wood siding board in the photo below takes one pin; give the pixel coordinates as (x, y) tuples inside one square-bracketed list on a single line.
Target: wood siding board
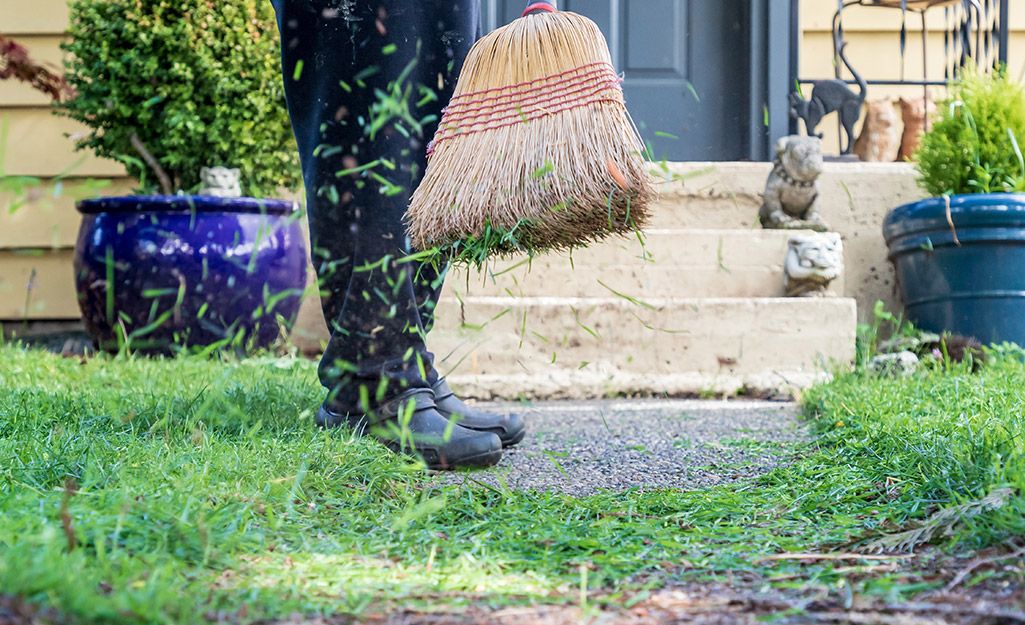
[(50, 221), (39, 144), (52, 295), (38, 17)]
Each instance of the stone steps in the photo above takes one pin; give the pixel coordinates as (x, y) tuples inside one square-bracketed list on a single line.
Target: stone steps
[(661, 263), (694, 310), (672, 345)]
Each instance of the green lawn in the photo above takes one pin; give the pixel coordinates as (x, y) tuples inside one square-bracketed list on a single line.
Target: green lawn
[(139, 490)]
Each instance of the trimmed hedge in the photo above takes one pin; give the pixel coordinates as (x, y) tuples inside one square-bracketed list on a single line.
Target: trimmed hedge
[(975, 144), (198, 81)]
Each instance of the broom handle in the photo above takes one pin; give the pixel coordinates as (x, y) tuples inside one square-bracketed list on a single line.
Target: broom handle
[(537, 6)]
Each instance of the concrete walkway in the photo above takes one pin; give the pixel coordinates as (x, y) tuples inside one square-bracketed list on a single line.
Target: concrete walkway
[(583, 447)]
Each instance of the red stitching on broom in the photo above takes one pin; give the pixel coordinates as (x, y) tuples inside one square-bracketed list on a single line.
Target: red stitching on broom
[(442, 135), (530, 82), (519, 109), (538, 6), (532, 95), (523, 105), (541, 113)]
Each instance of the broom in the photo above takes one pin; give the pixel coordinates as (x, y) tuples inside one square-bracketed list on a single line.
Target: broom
[(535, 150)]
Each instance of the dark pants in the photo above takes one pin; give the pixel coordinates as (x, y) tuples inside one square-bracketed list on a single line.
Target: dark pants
[(365, 82)]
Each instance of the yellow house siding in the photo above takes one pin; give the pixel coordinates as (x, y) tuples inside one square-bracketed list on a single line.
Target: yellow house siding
[(40, 144), (37, 240), (873, 36), (33, 17), (50, 220), (37, 284)]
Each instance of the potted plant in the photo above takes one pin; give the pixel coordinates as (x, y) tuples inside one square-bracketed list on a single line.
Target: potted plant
[(959, 254), (170, 89)]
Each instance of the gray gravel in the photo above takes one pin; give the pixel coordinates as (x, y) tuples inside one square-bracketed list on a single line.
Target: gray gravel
[(613, 445)]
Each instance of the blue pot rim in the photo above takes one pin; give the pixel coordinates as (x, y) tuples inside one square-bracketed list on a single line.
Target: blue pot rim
[(981, 210), (186, 203)]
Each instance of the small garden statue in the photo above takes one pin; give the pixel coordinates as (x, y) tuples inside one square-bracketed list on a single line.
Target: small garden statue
[(219, 182), (828, 96), (813, 261), (792, 191), (899, 363)]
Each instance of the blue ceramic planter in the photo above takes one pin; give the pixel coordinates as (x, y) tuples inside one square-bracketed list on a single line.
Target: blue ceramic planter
[(164, 271), (974, 285)]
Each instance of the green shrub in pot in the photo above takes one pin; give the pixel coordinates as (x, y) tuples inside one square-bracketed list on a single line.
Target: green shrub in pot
[(959, 255), (169, 89), (974, 145), (197, 83)]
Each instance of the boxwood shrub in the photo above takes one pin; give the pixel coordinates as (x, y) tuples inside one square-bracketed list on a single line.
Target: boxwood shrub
[(198, 81), (975, 144)]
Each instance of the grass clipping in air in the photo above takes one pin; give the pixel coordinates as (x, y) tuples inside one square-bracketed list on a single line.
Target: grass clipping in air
[(564, 168)]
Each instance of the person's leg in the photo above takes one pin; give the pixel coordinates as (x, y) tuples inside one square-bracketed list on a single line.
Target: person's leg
[(365, 82)]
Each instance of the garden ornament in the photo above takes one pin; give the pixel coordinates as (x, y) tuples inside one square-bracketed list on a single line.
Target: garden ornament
[(917, 114), (879, 140), (791, 191), (813, 260), (901, 363), (828, 96), (220, 182)]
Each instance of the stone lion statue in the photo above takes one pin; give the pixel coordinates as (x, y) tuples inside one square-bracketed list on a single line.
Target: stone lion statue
[(813, 260), (792, 191), (219, 182)]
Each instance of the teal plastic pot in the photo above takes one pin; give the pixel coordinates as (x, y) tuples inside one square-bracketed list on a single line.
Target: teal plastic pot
[(969, 279)]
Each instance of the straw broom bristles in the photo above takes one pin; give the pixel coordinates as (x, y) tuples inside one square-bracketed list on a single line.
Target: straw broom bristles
[(536, 149)]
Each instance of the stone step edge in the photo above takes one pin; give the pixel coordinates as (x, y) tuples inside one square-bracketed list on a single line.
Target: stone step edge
[(629, 301), (572, 384), (662, 231), (310, 331), (653, 238)]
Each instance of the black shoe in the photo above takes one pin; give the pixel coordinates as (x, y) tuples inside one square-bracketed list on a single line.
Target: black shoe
[(509, 428), (411, 424)]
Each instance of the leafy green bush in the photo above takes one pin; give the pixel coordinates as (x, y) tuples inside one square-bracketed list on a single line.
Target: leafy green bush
[(198, 82), (973, 147)]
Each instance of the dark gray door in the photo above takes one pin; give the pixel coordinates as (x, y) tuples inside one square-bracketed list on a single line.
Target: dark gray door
[(685, 65)]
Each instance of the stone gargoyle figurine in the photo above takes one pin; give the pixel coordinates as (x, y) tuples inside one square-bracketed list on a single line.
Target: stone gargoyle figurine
[(791, 199), (813, 260), (219, 182)]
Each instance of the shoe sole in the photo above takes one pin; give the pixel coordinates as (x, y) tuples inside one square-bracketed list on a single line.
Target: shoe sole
[(433, 460), (519, 436), (325, 420), (486, 459), (506, 442), (500, 433)]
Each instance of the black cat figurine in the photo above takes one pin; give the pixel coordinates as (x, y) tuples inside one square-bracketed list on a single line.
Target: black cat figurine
[(828, 96)]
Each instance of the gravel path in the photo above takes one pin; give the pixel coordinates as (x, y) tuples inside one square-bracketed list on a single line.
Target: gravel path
[(583, 447)]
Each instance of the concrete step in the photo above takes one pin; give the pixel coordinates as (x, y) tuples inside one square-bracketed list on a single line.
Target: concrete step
[(728, 194), (596, 346), (661, 263), (853, 199)]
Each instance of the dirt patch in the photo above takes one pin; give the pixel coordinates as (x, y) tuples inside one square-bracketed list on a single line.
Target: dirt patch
[(986, 588), (995, 595), (16, 611)]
